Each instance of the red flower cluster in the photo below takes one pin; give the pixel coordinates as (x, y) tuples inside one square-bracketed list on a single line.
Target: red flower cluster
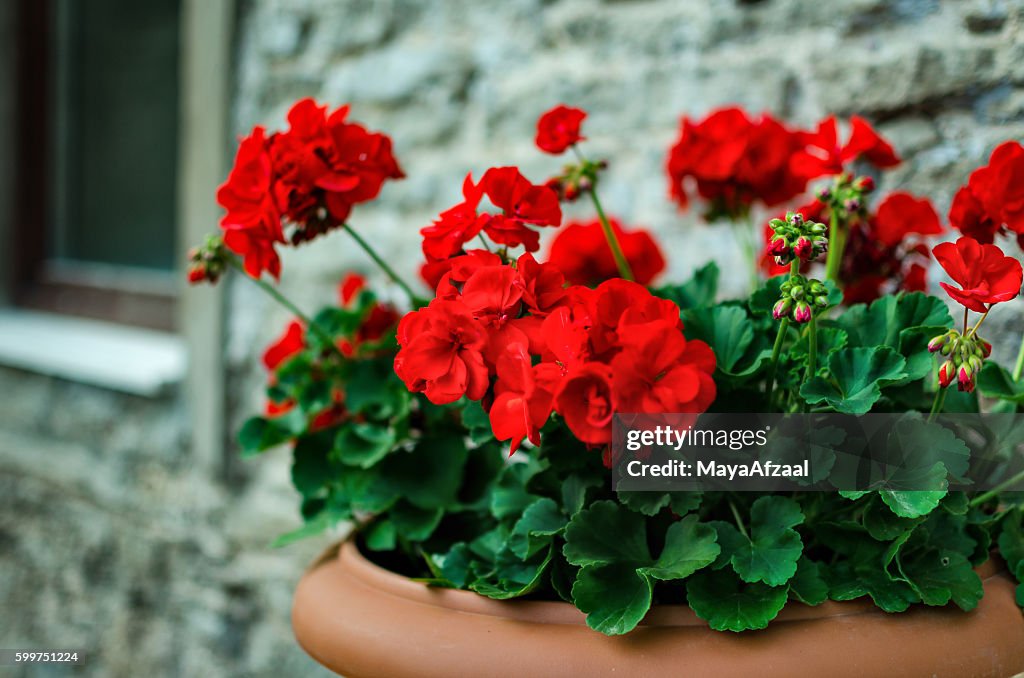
[(735, 161), (823, 156), (581, 252), (559, 128), (518, 340), (882, 253), (986, 276), (521, 204), (992, 202), (308, 177)]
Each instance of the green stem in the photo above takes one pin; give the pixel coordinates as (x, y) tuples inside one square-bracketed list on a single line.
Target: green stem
[(982, 498), (773, 366), (737, 518), (483, 240), (1019, 367), (836, 245), (940, 399), (748, 242), (812, 346), (613, 240), (413, 299), (287, 303)]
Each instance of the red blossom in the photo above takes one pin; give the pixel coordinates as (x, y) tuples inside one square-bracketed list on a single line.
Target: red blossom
[(986, 276), (901, 214), (307, 178), (559, 128), (735, 161), (585, 401), (522, 204), (442, 353), (524, 396), (823, 156), (992, 202), (581, 251), (291, 342)]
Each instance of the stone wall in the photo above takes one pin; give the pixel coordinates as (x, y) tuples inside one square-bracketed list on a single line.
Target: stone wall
[(110, 539)]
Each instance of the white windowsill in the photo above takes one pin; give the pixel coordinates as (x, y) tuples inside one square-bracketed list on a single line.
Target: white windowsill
[(129, 359)]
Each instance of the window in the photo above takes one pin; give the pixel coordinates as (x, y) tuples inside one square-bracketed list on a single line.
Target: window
[(97, 130)]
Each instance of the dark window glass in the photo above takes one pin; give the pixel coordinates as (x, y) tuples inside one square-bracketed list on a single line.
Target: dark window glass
[(114, 67)]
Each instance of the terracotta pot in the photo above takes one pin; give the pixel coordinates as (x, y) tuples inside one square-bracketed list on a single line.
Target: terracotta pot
[(362, 621)]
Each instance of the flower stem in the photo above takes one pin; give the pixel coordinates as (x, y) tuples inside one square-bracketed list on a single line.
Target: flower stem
[(747, 237), (982, 498), (613, 240), (1019, 367), (413, 299), (287, 303), (836, 245), (974, 330), (737, 518), (812, 347), (940, 400), (774, 364)]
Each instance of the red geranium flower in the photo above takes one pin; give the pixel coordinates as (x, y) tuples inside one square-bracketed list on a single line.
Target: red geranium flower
[(986, 276), (901, 214), (734, 162), (581, 251), (455, 226), (992, 202), (523, 398), (522, 203), (291, 342), (559, 128), (585, 401), (441, 353), (824, 156)]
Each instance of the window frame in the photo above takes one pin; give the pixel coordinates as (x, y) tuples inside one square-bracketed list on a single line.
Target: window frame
[(123, 295)]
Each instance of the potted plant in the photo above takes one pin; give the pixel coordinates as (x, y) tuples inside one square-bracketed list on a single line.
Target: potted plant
[(466, 437)]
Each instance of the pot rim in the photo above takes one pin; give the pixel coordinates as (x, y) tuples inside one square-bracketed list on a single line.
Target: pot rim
[(376, 577)]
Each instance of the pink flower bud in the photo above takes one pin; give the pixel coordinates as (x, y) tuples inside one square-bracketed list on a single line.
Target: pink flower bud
[(946, 373), (777, 246), (802, 312), (986, 348), (865, 184), (782, 308), (803, 248), (965, 378), (938, 342)]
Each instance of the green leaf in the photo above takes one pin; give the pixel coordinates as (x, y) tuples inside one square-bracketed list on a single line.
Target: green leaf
[(764, 297), (510, 496), (651, 503), (533, 531), (689, 546), (606, 533), (941, 575), (727, 329), (614, 597), (1011, 539), (372, 388), (883, 524), (415, 524), (574, 492), (311, 468), (430, 474), (259, 433), (700, 290), (476, 420), (381, 536), (363, 444), (727, 604), (995, 382), (808, 585), (914, 503), (850, 581), (313, 527), (455, 564), (771, 553), (512, 578), (857, 377)]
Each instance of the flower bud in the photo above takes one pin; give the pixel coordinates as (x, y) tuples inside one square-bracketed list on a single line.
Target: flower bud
[(821, 301), (778, 246), (196, 274), (947, 373), (571, 192), (803, 248), (802, 312), (584, 184), (852, 205), (975, 363), (939, 342), (965, 379), (817, 228), (795, 219), (782, 308), (824, 194), (796, 292), (864, 184)]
